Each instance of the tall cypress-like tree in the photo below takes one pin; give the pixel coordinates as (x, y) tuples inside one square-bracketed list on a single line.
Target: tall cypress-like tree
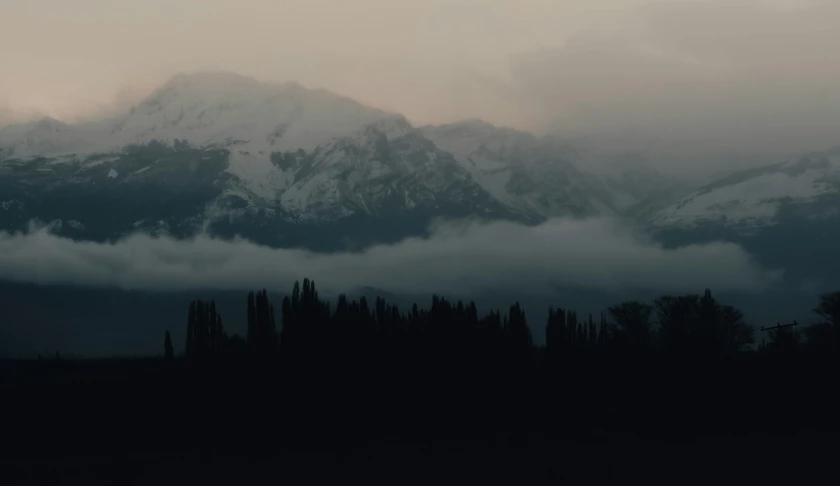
[(252, 321), (168, 351), (603, 332), (205, 334), (221, 337), (287, 323), (189, 350)]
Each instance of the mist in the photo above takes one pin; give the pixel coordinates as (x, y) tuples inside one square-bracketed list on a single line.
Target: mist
[(697, 85), (458, 257)]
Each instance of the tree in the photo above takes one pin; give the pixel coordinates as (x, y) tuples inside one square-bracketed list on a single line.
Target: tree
[(205, 335), (829, 309), (252, 321), (168, 351), (735, 333), (677, 317), (603, 332), (517, 335), (189, 350), (555, 333), (783, 340), (633, 321), (819, 338), (701, 325)]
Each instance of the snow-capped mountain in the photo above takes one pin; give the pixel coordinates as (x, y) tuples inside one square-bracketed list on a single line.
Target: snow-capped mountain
[(283, 165), (786, 215), (231, 155)]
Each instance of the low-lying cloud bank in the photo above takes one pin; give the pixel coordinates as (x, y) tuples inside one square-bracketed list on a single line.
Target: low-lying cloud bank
[(457, 257)]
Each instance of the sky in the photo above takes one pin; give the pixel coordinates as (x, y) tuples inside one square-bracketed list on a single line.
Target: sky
[(690, 83)]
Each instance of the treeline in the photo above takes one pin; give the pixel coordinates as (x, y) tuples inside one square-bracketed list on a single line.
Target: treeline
[(453, 333)]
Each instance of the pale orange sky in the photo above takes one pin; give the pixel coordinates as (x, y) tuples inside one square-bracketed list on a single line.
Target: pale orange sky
[(690, 78), (67, 58)]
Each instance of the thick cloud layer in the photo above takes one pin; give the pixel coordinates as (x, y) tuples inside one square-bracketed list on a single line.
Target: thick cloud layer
[(697, 84), (457, 258)]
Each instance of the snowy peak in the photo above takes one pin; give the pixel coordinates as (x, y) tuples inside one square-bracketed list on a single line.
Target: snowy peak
[(205, 110), (221, 108)]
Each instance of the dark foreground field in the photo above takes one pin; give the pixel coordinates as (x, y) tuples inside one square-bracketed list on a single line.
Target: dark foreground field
[(156, 422)]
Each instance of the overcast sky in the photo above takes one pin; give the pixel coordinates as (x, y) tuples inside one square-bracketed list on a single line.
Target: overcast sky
[(687, 81)]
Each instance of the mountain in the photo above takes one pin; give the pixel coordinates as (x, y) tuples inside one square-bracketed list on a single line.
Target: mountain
[(206, 109), (534, 175), (787, 214), (283, 165), (805, 187), (639, 189)]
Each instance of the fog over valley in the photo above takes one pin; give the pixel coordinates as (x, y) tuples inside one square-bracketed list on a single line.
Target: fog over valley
[(473, 258)]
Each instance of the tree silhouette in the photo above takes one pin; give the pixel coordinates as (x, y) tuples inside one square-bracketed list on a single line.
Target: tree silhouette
[(205, 334), (556, 337), (168, 351), (677, 317), (735, 334), (701, 326), (633, 321), (189, 350), (829, 309), (819, 338), (517, 336)]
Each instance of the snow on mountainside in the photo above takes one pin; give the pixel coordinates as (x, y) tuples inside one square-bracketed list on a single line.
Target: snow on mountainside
[(534, 175), (756, 198), (47, 137), (640, 190), (382, 168)]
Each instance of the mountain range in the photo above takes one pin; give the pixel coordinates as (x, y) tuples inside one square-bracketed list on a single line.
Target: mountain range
[(285, 166), (288, 166)]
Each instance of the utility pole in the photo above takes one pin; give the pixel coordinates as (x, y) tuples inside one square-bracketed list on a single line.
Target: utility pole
[(778, 327)]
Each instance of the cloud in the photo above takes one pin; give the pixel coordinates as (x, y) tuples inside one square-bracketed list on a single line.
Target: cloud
[(457, 258), (9, 115), (695, 83)]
